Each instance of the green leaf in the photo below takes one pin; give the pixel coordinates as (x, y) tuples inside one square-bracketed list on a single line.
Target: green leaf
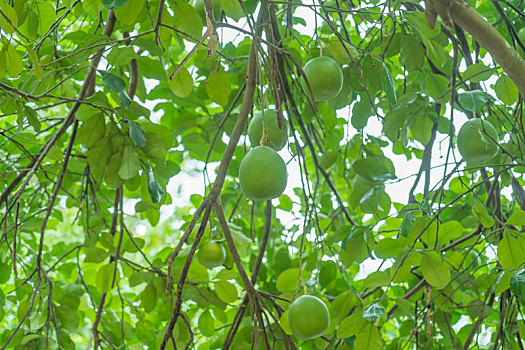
[(130, 165), (206, 324), (226, 291), (361, 112), (2, 313), (506, 90), (288, 280), (111, 176), (22, 309), (351, 325), (517, 217), (376, 279), (148, 297), (36, 65), (120, 56), (65, 340), (116, 84), (481, 213), (373, 312), (327, 273), (32, 118), (28, 338), (389, 247), (339, 54), (377, 168), (412, 53), (128, 13), (389, 85), (187, 19), (98, 155), (408, 222), (368, 338), (113, 4), (154, 189), (355, 247), (232, 9), (238, 237), (181, 84), (46, 16), (517, 283), (11, 14), (219, 88), (436, 86), (92, 130), (435, 272), (13, 61), (105, 278), (473, 100), (477, 72), (68, 317), (510, 250), (136, 134)]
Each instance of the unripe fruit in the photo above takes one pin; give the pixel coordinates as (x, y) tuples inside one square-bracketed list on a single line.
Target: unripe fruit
[(477, 141), (262, 174), (211, 254), (275, 137), (324, 76), (308, 317)]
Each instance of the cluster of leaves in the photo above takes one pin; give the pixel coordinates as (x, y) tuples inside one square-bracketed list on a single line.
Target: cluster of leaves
[(93, 125)]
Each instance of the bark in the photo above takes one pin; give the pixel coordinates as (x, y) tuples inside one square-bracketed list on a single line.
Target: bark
[(462, 14)]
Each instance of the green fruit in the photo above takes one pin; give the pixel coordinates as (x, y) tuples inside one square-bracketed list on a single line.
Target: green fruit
[(211, 254), (262, 174), (275, 137), (199, 6), (308, 317), (324, 76), (476, 141)]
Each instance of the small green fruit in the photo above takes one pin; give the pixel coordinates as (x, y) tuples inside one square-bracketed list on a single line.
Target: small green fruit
[(276, 137), (324, 76), (211, 254), (476, 141), (308, 317), (262, 174)]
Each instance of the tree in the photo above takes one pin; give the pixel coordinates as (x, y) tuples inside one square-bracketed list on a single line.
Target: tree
[(103, 102)]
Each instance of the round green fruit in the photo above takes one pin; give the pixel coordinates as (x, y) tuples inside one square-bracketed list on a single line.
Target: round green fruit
[(262, 174), (308, 317), (476, 141), (275, 136), (199, 6), (324, 76), (211, 254)]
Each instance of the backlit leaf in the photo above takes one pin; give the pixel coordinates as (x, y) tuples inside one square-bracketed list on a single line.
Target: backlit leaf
[(218, 87), (436, 272), (182, 83), (226, 291), (510, 250), (368, 338), (130, 163), (506, 90)]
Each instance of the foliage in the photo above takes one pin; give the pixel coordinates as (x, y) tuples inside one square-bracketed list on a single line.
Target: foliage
[(103, 102)]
